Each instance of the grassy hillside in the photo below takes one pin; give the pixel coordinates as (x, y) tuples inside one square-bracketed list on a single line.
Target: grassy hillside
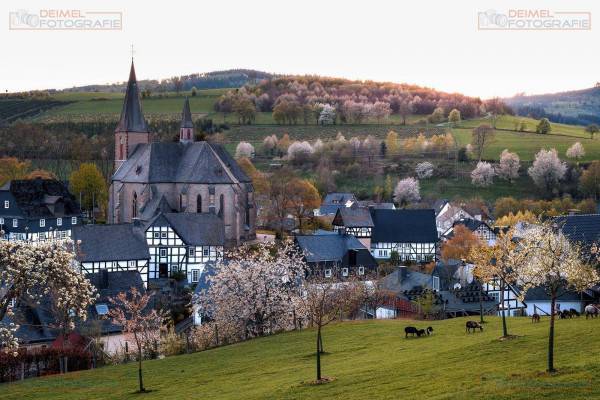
[(368, 359)]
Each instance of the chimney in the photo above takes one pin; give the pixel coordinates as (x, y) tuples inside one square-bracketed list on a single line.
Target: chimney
[(103, 284), (402, 273)]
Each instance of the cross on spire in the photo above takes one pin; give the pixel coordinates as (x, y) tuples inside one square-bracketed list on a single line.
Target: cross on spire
[(132, 51)]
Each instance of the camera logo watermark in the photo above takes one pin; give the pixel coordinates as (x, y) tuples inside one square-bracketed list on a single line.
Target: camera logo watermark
[(534, 20), (65, 20)]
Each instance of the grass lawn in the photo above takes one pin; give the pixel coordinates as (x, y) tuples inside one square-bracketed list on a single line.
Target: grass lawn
[(369, 360)]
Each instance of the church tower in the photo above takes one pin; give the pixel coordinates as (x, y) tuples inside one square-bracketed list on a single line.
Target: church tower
[(186, 130), (132, 128)]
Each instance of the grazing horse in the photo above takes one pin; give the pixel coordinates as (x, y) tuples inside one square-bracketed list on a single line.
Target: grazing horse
[(420, 332), (574, 312), (429, 330), (591, 311), (410, 330), (535, 318), (564, 314), (473, 325)]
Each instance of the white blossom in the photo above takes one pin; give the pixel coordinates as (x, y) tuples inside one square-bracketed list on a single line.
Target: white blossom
[(424, 170), (547, 170), (509, 165), (244, 149), (576, 151), (483, 174), (407, 191)]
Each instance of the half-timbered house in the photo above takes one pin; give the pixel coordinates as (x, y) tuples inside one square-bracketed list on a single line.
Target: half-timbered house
[(112, 248), (37, 210), (481, 229), (355, 221), (410, 233), (182, 243)]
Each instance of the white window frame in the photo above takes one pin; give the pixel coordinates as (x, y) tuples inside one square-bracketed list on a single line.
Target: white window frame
[(361, 270), (58, 221), (131, 263), (42, 223), (73, 220), (328, 273), (15, 223), (205, 252), (156, 235), (163, 235), (1, 221), (344, 271), (436, 283), (192, 252), (161, 251), (174, 268), (115, 264), (195, 275), (6, 204)]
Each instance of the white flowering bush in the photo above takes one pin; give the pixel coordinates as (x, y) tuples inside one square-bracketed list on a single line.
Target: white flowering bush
[(300, 151), (483, 174), (509, 165), (244, 149), (547, 170), (407, 191), (576, 151), (424, 170)]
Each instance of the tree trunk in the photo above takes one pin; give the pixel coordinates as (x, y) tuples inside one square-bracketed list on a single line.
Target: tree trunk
[(140, 378), (319, 353), (504, 328), (481, 304), (551, 335), (321, 342)]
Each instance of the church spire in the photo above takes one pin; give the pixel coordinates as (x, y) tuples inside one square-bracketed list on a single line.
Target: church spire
[(132, 118), (186, 130)]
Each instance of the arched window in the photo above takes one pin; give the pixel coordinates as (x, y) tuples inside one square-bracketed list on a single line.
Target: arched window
[(181, 202), (134, 208), (221, 205), (199, 204)]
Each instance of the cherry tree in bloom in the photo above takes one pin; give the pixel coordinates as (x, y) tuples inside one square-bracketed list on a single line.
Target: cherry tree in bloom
[(555, 264), (509, 165), (483, 174), (576, 151), (244, 149), (424, 170), (255, 291), (269, 144), (318, 145), (407, 191), (36, 270), (140, 322), (300, 151), (547, 170), (327, 115)]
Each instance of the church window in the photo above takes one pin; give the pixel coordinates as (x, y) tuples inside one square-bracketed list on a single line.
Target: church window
[(221, 205), (199, 204), (134, 208)]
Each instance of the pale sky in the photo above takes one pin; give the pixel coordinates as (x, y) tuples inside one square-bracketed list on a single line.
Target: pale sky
[(425, 42)]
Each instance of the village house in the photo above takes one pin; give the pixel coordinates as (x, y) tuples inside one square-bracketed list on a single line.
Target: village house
[(334, 201), (37, 210), (337, 255), (483, 231), (446, 213), (355, 221)]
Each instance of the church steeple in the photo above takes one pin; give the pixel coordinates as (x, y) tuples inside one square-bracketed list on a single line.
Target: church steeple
[(132, 128), (186, 130)]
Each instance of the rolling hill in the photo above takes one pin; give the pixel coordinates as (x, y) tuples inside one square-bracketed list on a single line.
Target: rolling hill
[(368, 359)]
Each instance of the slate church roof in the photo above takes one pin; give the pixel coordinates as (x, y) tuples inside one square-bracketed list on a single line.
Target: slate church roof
[(170, 162), (404, 226), (116, 242), (132, 118), (186, 115)]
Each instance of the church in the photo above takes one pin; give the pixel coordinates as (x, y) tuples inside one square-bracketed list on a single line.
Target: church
[(188, 176)]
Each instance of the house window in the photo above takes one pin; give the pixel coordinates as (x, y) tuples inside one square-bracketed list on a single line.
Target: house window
[(436, 283), (15, 223), (6, 204), (163, 252), (192, 252), (42, 223), (156, 235), (102, 309), (344, 271), (58, 221), (163, 235), (1, 221), (114, 264), (132, 263), (174, 268), (361, 270), (205, 252), (195, 275), (328, 273), (73, 220)]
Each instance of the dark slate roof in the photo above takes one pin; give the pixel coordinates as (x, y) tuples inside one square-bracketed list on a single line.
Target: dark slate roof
[(470, 223), (584, 228), (186, 115), (155, 206), (404, 279), (335, 201), (373, 204), (116, 242), (404, 226), (195, 229), (132, 118), (43, 198), (320, 248), (355, 217), (197, 162), (116, 282), (540, 294)]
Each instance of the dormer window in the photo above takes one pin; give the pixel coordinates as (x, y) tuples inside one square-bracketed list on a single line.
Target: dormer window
[(58, 221), (42, 223), (73, 220), (6, 204), (15, 223)]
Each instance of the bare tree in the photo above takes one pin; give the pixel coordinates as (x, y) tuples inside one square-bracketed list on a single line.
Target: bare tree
[(480, 138)]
